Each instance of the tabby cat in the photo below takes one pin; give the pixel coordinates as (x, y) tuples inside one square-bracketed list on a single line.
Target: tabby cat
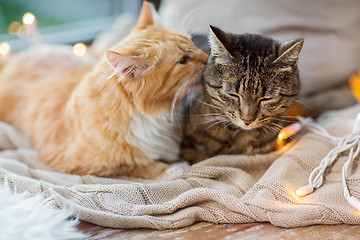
[(84, 122), (250, 83)]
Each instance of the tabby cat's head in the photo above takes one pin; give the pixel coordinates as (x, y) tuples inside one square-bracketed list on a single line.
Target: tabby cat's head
[(252, 78), (156, 66)]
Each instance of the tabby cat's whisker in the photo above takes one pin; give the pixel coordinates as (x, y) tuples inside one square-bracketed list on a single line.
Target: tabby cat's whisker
[(207, 104), (304, 104), (283, 120), (279, 126), (276, 126), (288, 116), (210, 114), (218, 122), (272, 129), (265, 129), (227, 125), (209, 119)]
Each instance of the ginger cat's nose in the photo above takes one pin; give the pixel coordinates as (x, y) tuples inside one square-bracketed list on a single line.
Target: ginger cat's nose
[(203, 57)]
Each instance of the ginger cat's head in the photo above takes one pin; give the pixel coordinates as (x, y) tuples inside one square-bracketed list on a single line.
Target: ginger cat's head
[(156, 67)]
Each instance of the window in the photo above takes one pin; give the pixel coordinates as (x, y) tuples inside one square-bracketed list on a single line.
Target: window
[(65, 21)]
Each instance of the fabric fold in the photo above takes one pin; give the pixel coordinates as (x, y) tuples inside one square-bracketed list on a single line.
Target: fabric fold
[(223, 189)]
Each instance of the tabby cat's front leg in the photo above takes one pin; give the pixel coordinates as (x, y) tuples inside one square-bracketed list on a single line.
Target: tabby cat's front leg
[(198, 145)]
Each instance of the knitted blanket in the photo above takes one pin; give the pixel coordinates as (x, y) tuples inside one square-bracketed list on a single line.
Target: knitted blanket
[(223, 189)]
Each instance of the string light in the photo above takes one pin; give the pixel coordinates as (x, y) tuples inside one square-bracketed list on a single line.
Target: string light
[(305, 190), (289, 131), (354, 82), (29, 29), (79, 49), (286, 133), (349, 143), (28, 18), (353, 201), (4, 48)]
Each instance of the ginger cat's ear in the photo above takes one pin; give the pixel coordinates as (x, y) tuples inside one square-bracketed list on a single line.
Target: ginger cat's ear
[(126, 67), (146, 16)]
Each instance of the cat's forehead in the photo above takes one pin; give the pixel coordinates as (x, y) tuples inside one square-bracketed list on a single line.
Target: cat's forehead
[(253, 46)]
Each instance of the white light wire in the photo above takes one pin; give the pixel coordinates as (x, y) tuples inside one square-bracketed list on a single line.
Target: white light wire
[(349, 143)]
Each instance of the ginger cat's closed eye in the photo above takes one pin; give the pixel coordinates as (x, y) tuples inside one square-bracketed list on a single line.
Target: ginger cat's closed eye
[(84, 122)]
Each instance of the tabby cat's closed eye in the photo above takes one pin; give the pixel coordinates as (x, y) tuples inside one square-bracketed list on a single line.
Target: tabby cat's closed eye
[(233, 95), (265, 99)]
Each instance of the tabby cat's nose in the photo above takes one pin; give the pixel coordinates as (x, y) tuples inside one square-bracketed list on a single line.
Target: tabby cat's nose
[(247, 122)]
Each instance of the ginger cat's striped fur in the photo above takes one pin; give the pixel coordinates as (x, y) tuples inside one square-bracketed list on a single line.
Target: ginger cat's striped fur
[(84, 122)]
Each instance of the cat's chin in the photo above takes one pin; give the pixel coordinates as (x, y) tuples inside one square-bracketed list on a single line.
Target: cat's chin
[(235, 126), (248, 127), (245, 127)]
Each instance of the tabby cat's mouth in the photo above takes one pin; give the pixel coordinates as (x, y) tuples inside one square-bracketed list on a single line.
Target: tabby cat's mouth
[(247, 127), (235, 126), (243, 126)]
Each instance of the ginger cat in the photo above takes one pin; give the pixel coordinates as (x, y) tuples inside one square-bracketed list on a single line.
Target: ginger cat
[(84, 122)]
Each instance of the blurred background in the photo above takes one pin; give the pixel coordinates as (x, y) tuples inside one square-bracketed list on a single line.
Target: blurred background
[(331, 53), (64, 21)]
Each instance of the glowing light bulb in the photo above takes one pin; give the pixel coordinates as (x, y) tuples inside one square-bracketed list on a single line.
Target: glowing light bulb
[(356, 128), (79, 49), (28, 18), (289, 131), (281, 136), (305, 190), (286, 133), (4, 49), (355, 85), (353, 201)]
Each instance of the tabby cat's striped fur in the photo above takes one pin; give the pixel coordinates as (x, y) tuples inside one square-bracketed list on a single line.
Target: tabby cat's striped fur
[(250, 83)]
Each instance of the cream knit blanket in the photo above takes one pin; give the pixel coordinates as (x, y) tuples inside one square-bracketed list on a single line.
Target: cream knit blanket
[(223, 189)]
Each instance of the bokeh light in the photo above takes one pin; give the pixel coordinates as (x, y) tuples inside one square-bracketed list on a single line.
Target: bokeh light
[(14, 27), (79, 49), (28, 18), (4, 49)]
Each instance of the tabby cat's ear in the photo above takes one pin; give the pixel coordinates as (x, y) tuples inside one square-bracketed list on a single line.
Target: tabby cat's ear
[(220, 45), (289, 52), (146, 16), (126, 67)]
